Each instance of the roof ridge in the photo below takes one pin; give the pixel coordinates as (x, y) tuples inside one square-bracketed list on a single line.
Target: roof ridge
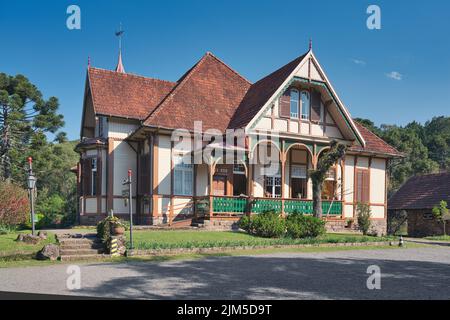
[(300, 57), (131, 75), (180, 84), (226, 65), (186, 77)]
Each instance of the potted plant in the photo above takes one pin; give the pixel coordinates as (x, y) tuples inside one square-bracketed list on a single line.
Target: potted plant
[(117, 226)]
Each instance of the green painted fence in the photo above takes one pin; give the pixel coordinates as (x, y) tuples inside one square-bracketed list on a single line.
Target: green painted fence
[(240, 205)]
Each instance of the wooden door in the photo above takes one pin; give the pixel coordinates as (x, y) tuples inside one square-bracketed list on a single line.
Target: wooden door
[(219, 185)]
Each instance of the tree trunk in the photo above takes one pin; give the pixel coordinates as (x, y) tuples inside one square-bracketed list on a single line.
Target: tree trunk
[(317, 199)]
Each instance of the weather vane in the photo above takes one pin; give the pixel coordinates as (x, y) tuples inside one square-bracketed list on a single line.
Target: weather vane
[(119, 34)]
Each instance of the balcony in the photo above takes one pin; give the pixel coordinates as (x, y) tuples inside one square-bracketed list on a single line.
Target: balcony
[(237, 206)]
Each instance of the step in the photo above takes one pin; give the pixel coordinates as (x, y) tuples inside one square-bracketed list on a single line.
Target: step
[(77, 252), (84, 257), (82, 246)]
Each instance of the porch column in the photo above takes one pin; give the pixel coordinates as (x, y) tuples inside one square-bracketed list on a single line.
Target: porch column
[(250, 175), (283, 179), (154, 151), (210, 187)]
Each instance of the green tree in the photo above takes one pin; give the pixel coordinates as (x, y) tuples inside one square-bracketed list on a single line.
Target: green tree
[(440, 212), (437, 139), (24, 116), (318, 176)]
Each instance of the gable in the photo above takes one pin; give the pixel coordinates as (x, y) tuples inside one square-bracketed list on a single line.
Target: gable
[(307, 70)]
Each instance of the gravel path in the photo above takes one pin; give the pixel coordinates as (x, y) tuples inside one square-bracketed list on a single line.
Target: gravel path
[(416, 273)]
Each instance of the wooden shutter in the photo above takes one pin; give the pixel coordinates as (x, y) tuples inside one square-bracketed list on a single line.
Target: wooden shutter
[(315, 105), (285, 104), (144, 175), (362, 187), (99, 176), (86, 167)]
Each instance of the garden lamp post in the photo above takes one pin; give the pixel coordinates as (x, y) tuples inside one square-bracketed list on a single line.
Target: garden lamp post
[(31, 183), (130, 206)]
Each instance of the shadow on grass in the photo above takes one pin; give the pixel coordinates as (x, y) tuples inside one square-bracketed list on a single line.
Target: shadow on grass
[(276, 277)]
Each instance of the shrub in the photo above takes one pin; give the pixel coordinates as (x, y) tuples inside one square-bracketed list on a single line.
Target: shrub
[(14, 205), (363, 213), (300, 226), (267, 225), (52, 209), (244, 223)]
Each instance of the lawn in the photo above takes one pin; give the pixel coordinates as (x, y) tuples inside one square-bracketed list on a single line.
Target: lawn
[(439, 238), (12, 250), (204, 239)]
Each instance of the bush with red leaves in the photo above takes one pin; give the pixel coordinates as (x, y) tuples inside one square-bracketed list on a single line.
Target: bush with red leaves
[(14, 205)]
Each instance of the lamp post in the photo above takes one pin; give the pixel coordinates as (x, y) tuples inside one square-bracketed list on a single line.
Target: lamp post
[(31, 183), (130, 207)]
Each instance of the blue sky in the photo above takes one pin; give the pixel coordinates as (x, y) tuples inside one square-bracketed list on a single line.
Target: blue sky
[(394, 75)]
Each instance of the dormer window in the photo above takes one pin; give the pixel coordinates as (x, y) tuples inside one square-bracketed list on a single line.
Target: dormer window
[(305, 99), (294, 103)]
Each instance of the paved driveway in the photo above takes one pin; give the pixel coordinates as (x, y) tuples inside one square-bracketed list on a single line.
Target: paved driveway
[(416, 273)]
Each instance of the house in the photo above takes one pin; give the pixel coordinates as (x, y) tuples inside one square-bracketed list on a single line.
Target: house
[(290, 117), (417, 197)]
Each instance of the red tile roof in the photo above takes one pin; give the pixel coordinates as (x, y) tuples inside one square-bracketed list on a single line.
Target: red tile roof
[(260, 92), (422, 192), (209, 92), (374, 144), (125, 95)]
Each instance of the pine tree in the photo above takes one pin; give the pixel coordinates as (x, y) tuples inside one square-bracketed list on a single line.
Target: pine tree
[(25, 117)]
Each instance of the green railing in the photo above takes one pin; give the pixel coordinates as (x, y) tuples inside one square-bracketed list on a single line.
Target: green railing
[(229, 205), (263, 205), (240, 206), (332, 208), (300, 206)]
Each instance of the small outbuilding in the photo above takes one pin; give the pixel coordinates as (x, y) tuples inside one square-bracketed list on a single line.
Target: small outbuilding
[(417, 197)]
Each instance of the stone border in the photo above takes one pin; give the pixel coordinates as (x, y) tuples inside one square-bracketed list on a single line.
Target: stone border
[(175, 251)]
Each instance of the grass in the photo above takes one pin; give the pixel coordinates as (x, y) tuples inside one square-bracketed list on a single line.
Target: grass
[(10, 250), (207, 239), (439, 238)]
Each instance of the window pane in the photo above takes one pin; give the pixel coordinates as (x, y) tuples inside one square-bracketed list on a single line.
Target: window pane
[(305, 104), (178, 182), (294, 103), (298, 171), (187, 183)]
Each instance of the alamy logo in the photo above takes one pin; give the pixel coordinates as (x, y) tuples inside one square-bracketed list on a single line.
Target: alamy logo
[(73, 22), (374, 280), (374, 20), (73, 282)]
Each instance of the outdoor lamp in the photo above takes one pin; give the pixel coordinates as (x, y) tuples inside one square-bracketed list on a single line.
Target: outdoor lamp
[(31, 182)]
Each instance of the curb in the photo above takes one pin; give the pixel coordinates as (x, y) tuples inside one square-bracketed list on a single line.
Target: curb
[(175, 251)]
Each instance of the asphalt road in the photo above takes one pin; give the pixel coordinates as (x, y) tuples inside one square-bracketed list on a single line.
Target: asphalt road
[(415, 273)]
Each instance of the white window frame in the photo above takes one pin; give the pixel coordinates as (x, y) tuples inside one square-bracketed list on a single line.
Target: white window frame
[(294, 115), (94, 176), (238, 168), (183, 187), (274, 185), (303, 115)]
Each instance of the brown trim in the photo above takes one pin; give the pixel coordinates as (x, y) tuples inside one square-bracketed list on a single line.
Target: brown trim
[(355, 162), (110, 176), (386, 182), (369, 166), (272, 117), (154, 156), (99, 180), (171, 183), (343, 180)]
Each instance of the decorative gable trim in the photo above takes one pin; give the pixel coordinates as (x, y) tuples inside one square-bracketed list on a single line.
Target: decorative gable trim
[(310, 58)]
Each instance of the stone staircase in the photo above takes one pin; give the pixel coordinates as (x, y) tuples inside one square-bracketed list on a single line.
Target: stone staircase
[(80, 247)]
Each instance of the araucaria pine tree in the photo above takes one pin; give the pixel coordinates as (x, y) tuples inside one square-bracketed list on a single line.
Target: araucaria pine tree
[(24, 117)]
